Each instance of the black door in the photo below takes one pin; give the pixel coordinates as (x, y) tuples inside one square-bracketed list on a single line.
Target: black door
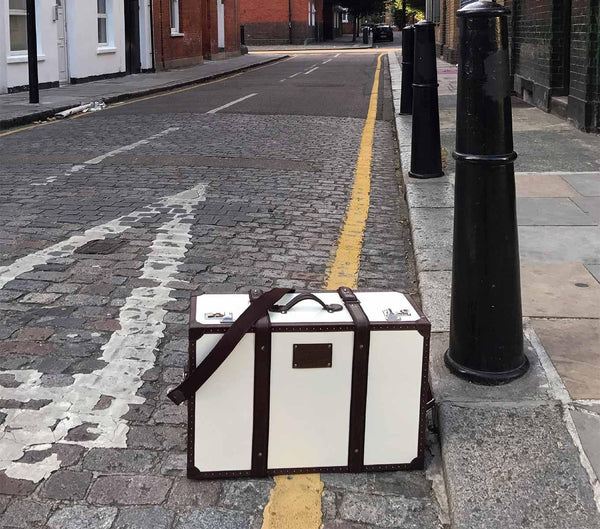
[(132, 36)]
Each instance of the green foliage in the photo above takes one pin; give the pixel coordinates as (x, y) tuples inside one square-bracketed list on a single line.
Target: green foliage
[(363, 8), (414, 7)]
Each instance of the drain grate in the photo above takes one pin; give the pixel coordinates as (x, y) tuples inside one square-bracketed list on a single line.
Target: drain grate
[(101, 246)]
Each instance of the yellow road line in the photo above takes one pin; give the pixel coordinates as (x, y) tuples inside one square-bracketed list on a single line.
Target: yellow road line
[(344, 268), (295, 501), (167, 92)]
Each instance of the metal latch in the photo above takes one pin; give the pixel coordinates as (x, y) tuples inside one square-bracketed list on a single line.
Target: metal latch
[(396, 315), (222, 316)]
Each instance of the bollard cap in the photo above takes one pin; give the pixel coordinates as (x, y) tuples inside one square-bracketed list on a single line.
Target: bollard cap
[(483, 8), (424, 23)]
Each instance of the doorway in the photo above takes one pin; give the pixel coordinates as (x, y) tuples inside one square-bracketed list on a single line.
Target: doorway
[(132, 36), (63, 59)]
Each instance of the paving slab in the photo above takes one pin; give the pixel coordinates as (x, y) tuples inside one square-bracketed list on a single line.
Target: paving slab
[(543, 244), (594, 269), (587, 185), (590, 205), (514, 467), (587, 422), (535, 211), (559, 290), (542, 185), (573, 345), (447, 387)]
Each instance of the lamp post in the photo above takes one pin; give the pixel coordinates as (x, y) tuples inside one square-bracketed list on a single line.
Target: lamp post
[(34, 92)]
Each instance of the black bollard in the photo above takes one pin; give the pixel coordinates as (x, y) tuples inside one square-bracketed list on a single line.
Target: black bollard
[(486, 328), (408, 52), (426, 149)]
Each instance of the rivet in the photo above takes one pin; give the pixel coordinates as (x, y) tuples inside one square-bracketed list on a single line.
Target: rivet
[(356, 450), (260, 454), (262, 347)]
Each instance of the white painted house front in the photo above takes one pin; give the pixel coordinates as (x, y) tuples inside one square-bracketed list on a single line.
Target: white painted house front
[(78, 40)]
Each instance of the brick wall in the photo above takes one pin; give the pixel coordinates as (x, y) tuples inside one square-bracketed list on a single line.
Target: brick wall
[(199, 32), (268, 22), (176, 51), (584, 87), (446, 36)]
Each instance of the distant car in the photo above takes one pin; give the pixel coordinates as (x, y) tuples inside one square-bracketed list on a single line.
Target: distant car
[(383, 32)]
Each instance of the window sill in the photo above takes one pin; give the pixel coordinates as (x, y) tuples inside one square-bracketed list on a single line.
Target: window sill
[(106, 49), (176, 34), (13, 59)]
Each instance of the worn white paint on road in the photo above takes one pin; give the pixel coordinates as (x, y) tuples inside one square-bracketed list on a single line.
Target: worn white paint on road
[(98, 159), (294, 75), (215, 110), (129, 353), (65, 248), (310, 71)]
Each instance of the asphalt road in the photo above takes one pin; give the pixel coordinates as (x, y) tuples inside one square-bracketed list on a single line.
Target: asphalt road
[(235, 184)]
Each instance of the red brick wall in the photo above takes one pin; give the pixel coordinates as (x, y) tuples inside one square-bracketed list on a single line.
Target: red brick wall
[(268, 22), (198, 23), (177, 51)]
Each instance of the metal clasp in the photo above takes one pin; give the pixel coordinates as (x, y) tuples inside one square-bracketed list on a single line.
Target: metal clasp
[(222, 316), (396, 315)]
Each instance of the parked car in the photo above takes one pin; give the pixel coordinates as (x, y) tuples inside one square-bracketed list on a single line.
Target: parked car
[(383, 32)]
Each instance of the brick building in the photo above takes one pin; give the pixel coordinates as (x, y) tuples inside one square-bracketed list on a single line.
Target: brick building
[(282, 21), (555, 53), (188, 31)]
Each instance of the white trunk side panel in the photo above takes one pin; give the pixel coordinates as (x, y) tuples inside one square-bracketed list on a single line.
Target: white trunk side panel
[(224, 409), (310, 408), (393, 397)]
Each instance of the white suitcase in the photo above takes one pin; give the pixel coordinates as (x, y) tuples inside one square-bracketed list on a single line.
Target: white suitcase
[(305, 389)]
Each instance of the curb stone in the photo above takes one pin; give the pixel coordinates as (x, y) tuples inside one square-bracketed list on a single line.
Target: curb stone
[(38, 116)]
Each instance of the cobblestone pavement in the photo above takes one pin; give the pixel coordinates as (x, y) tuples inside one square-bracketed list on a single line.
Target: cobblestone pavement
[(91, 342)]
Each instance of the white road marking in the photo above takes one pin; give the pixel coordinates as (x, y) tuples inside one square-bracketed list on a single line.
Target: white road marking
[(294, 75), (337, 55), (98, 159), (65, 248), (215, 110), (129, 353), (310, 71), (281, 80), (328, 60)]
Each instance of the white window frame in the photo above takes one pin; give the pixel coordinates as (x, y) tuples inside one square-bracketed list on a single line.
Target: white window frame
[(19, 56), (175, 20), (345, 19), (17, 12), (104, 17), (109, 45)]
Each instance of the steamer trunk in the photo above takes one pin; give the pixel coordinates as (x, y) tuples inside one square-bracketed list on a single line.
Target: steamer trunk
[(302, 393)]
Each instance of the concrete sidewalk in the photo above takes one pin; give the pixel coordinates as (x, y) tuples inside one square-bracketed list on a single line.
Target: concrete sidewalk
[(15, 109), (528, 453)]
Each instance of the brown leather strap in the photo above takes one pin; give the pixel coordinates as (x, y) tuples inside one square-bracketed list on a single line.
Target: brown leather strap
[(262, 392), (226, 344), (360, 368)]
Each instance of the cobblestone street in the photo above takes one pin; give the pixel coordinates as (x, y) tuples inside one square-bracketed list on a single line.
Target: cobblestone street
[(193, 194)]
